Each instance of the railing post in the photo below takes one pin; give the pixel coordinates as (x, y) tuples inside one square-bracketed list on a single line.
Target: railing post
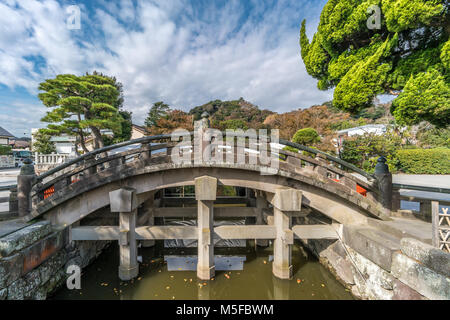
[(435, 223), (24, 184), (124, 201), (13, 202), (396, 201), (384, 180)]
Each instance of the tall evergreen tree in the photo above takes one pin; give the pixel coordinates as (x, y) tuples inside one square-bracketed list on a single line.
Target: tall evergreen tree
[(156, 112), (407, 56), (80, 104)]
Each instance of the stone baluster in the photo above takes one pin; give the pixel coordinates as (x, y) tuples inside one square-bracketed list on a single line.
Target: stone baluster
[(24, 184), (13, 202), (205, 194), (384, 181), (124, 201)]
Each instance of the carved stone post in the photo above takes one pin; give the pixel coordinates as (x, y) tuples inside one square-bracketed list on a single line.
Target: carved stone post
[(384, 179), (13, 202), (205, 194), (24, 184), (124, 201), (284, 202)]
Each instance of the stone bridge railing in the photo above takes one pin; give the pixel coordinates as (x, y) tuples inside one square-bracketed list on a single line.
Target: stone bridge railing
[(33, 189)]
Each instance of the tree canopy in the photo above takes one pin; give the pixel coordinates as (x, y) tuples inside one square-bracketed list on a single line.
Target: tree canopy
[(42, 143), (81, 105), (156, 112), (408, 56), (306, 136)]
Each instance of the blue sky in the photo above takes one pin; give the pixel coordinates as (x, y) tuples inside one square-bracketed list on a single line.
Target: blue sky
[(185, 53)]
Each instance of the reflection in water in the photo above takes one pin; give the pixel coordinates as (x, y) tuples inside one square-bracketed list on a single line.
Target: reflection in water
[(218, 242), (241, 273), (189, 263)]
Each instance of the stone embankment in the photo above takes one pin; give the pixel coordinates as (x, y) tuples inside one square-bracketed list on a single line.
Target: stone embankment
[(34, 260), (387, 263)]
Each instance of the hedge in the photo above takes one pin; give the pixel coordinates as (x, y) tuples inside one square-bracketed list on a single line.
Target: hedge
[(424, 161)]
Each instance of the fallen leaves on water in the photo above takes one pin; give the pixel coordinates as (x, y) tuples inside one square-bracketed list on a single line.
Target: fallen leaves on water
[(227, 276), (323, 285), (104, 284), (265, 262), (168, 287), (299, 281), (139, 279)]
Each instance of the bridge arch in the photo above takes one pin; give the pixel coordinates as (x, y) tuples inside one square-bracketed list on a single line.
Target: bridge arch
[(74, 201)]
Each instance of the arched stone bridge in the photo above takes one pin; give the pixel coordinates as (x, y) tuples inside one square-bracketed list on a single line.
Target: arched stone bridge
[(114, 194), (125, 180), (74, 190)]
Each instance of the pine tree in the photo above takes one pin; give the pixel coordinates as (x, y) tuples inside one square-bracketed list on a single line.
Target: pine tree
[(80, 104)]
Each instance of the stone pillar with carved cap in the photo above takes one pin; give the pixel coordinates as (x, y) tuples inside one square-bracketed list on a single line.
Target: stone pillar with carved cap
[(25, 181), (124, 201), (285, 201), (205, 194), (384, 182)]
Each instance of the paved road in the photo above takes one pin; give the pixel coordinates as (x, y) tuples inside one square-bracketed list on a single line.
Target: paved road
[(7, 177), (428, 180)]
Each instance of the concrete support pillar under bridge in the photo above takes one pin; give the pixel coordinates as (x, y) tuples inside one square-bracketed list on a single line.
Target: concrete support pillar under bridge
[(124, 201), (205, 194)]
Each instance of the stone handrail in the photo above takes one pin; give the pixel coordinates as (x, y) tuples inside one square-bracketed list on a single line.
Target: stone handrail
[(45, 185), (53, 158)]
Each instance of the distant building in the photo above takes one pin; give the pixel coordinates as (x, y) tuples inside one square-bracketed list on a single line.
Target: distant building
[(19, 144), (377, 129), (63, 143), (5, 136), (138, 132)]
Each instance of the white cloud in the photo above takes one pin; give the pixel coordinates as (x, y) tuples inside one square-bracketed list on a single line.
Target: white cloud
[(165, 51)]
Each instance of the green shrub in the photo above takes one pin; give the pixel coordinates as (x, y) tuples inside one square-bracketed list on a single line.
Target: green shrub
[(424, 161), (306, 136), (5, 150)]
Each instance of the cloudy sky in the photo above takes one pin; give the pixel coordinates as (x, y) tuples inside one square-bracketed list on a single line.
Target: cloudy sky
[(185, 53)]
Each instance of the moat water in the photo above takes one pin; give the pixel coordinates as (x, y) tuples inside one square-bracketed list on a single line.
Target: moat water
[(241, 273)]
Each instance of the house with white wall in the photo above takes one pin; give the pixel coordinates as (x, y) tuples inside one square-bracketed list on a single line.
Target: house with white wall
[(5, 137)]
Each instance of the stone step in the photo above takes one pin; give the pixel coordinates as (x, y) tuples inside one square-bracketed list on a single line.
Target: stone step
[(376, 245), (404, 228), (24, 237), (10, 226)]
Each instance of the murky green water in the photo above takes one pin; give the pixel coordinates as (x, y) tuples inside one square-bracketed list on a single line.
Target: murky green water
[(254, 281)]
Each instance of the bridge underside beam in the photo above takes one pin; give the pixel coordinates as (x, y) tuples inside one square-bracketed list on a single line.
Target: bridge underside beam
[(219, 212), (320, 231), (191, 233), (82, 205)]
